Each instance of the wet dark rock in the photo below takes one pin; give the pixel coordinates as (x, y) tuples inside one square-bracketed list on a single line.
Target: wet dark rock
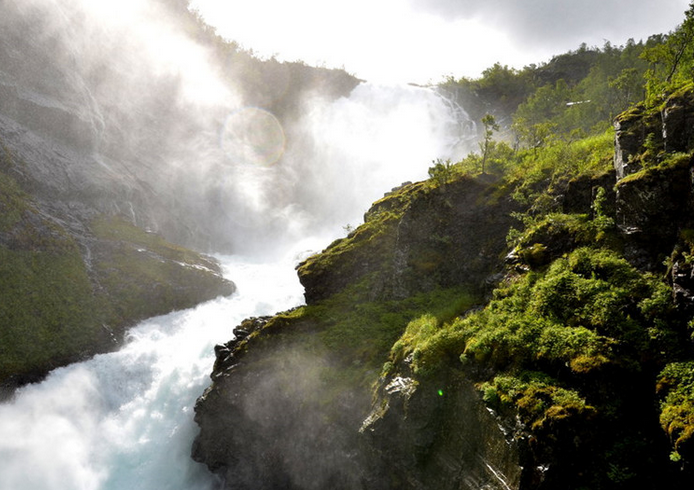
[(439, 434), (678, 122), (267, 382), (261, 422), (579, 194), (417, 248), (651, 210)]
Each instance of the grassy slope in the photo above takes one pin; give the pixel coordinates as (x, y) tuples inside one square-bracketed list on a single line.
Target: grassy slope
[(54, 310)]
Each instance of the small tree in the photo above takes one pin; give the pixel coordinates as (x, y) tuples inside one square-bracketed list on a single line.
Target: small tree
[(441, 171), (487, 145), (672, 61)]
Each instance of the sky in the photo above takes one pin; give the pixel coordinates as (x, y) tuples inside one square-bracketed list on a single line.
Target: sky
[(424, 41)]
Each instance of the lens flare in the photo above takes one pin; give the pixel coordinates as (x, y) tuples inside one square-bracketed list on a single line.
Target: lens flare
[(253, 136)]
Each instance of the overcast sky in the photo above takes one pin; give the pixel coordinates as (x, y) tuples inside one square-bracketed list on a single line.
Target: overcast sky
[(425, 40)]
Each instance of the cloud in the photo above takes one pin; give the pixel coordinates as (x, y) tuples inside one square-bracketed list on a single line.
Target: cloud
[(565, 23), (424, 40)]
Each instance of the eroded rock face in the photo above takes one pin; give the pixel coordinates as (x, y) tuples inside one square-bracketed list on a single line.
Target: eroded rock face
[(652, 209), (632, 129), (678, 122), (66, 163), (654, 203), (263, 424), (439, 434), (425, 432)]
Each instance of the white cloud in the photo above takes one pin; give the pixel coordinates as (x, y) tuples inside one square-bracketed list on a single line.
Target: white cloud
[(424, 40)]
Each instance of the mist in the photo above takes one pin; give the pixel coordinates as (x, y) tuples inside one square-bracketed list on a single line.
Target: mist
[(124, 420), (166, 136)]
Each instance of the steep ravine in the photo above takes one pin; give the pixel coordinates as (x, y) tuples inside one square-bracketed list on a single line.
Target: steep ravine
[(405, 371)]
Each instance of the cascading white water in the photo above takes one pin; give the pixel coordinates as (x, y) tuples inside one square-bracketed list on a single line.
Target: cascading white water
[(124, 420)]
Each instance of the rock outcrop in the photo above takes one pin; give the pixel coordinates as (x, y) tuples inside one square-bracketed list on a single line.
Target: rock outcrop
[(654, 177), (415, 240), (283, 375)]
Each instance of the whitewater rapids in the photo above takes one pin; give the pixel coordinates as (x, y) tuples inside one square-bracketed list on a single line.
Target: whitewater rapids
[(124, 421)]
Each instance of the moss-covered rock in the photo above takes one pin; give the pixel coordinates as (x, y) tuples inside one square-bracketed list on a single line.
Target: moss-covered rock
[(653, 205), (416, 239), (142, 275), (69, 289), (362, 293)]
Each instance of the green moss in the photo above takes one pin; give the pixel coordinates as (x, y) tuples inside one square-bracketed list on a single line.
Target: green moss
[(368, 248), (539, 400), (684, 91), (429, 341), (48, 314), (551, 235), (143, 275), (13, 203), (573, 315), (560, 159), (55, 311), (676, 386), (117, 229), (654, 170), (368, 330), (355, 334)]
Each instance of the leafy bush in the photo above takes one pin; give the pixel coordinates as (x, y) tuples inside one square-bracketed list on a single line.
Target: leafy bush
[(441, 172), (676, 385), (538, 399), (576, 314)]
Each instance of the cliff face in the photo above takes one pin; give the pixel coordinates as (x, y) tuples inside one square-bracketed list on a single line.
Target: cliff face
[(554, 381)]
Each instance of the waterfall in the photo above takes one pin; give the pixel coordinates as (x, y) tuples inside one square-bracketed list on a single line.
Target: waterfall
[(124, 420)]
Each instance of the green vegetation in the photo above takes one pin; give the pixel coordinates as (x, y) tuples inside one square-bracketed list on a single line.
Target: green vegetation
[(573, 339), (537, 398), (676, 385), (578, 92), (442, 171), (48, 313), (486, 145), (671, 61), (579, 340), (134, 265), (361, 334), (653, 169), (532, 173)]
